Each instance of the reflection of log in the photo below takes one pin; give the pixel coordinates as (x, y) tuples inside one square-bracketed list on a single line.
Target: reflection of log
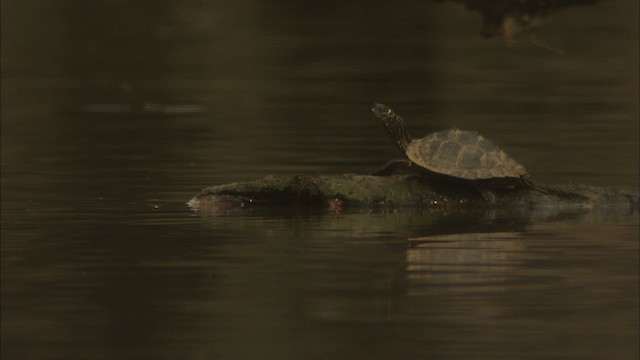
[(338, 191), (510, 18)]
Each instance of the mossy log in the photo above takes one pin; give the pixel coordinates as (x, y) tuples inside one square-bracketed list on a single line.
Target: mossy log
[(336, 192)]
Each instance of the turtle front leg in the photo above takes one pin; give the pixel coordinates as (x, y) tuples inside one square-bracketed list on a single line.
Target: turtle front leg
[(392, 166)]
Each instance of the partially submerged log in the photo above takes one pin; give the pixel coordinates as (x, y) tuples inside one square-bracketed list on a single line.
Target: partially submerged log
[(335, 192)]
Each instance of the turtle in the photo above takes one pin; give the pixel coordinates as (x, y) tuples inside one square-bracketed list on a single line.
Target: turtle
[(453, 155)]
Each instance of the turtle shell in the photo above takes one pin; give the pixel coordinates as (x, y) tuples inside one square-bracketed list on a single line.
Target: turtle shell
[(463, 154)]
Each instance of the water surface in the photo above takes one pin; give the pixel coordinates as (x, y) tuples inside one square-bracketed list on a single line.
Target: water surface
[(114, 116)]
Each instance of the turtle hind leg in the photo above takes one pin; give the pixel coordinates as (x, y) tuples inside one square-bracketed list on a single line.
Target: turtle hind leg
[(527, 183), (489, 195), (391, 167)]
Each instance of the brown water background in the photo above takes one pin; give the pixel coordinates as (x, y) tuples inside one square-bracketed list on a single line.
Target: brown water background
[(115, 113)]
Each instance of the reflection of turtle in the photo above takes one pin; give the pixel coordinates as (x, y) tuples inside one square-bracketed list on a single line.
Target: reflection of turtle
[(453, 154)]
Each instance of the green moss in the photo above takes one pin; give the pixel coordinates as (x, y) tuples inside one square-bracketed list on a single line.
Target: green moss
[(362, 190)]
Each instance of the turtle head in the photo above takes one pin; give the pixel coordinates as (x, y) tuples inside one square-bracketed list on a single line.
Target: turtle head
[(393, 124)]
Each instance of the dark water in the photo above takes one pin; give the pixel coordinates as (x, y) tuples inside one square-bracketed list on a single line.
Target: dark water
[(114, 114)]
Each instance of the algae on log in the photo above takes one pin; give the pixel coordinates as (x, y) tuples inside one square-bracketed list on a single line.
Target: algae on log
[(350, 190)]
